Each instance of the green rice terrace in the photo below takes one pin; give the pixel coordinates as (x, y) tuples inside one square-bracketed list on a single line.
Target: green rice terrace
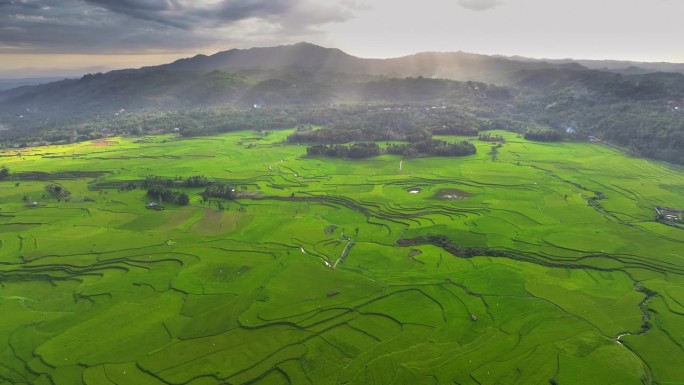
[(544, 264)]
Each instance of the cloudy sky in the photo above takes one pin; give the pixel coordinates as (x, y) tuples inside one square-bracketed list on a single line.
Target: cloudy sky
[(65, 37)]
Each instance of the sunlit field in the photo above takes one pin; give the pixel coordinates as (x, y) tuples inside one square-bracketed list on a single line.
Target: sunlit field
[(541, 264)]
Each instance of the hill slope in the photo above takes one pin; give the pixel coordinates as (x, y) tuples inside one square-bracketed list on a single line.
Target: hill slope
[(190, 82), (640, 111)]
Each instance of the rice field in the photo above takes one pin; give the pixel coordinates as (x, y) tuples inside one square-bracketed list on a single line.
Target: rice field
[(543, 266)]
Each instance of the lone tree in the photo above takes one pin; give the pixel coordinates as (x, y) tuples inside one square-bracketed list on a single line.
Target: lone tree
[(57, 191), (4, 172)]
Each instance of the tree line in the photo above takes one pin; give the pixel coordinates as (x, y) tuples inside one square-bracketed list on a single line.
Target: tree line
[(429, 147), (166, 195)]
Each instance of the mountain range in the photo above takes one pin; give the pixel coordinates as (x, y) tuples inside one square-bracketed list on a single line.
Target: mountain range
[(625, 103), (308, 57), (299, 73), (449, 65)]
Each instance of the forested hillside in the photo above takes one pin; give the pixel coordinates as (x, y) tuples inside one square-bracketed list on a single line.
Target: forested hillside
[(356, 99)]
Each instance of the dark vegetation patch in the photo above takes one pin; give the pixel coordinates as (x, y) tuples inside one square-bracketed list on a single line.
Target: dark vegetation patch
[(432, 147), (57, 191), (353, 151), (166, 195), (330, 229), (450, 194), (453, 248), (366, 150), (41, 175)]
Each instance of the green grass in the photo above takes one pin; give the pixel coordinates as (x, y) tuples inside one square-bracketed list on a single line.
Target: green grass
[(108, 292)]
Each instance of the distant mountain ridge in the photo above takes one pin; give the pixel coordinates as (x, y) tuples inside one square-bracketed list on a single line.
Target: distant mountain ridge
[(301, 56), (621, 66), (305, 56), (305, 73), (460, 66), (7, 84), (233, 76)]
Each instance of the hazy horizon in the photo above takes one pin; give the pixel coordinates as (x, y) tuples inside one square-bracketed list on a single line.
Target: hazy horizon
[(38, 38)]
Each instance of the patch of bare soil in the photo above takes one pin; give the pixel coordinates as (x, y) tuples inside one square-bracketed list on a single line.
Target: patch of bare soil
[(451, 194), (104, 143)]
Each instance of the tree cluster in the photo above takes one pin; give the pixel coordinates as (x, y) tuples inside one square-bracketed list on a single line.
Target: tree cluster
[(57, 191), (153, 180), (354, 151), (166, 195), (487, 137), (197, 181), (544, 135), (410, 123), (428, 147), (432, 147), (219, 190)]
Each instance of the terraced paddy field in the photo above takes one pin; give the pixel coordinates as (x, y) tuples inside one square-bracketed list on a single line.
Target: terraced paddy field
[(542, 266)]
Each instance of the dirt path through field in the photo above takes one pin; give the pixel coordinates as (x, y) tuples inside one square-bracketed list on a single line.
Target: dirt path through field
[(271, 166)]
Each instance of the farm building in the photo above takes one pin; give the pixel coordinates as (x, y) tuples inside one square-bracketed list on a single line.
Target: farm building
[(154, 206), (669, 214)]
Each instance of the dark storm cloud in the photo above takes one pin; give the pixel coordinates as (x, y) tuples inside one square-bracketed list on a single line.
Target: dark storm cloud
[(161, 11), (91, 26), (134, 6), (16, 3), (240, 9)]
